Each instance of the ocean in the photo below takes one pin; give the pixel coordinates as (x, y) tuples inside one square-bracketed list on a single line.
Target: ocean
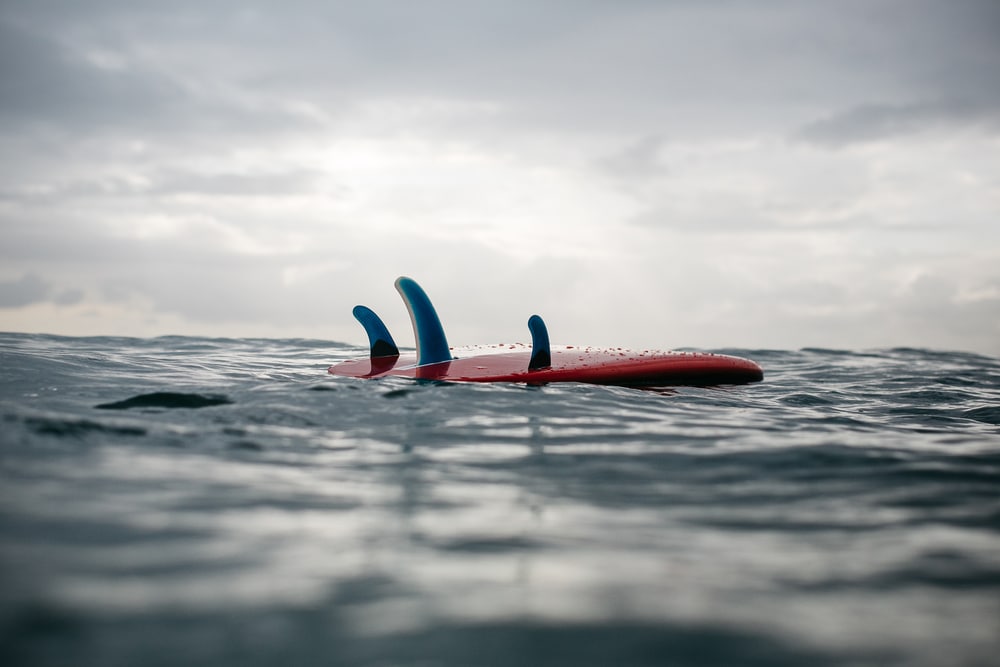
[(194, 501)]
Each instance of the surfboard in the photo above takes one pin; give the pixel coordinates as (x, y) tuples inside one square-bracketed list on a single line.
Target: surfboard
[(539, 363), (509, 363)]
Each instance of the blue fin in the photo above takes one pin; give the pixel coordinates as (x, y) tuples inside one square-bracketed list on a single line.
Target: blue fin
[(432, 347), (382, 344), (541, 356)]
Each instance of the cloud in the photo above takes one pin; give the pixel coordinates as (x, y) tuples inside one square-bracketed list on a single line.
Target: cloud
[(68, 297), (31, 289), (251, 183), (676, 66), (623, 168), (24, 291), (58, 78), (876, 122), (43, 82)]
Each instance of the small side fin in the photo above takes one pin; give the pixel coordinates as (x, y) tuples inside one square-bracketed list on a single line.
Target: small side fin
[(541, 356), (432, 346), (379, 337)]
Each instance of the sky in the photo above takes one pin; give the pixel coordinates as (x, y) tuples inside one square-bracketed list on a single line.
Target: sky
[(641, 173)]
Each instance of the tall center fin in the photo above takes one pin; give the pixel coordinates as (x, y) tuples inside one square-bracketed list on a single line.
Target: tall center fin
[(379, 338), (541, 356), (432, 346)]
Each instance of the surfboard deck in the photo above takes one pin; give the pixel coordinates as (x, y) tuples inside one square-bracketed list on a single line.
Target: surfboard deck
[(612, 366)]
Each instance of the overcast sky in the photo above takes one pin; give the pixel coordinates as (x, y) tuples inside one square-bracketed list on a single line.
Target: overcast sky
[(643, 173)]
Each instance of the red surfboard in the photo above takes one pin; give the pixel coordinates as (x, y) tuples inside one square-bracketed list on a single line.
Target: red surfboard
[(538, 364), (509, 363)]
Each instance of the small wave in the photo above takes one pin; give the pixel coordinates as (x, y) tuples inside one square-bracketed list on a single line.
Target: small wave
[(167, 399), (804, 400), (988, 415), (75, 428)]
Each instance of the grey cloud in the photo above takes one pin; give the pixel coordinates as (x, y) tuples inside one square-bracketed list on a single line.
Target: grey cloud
[(45, 82), (61, 240), (30, 289), (26, 290), (874, 122), (40, 81), (68, 297), (175, 181), (230, 183), (168, 182), (729, 214), (636, 164), (202, 293), (675, 66)]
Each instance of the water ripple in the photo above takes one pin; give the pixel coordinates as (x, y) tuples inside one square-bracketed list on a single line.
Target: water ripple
[(844, 511)]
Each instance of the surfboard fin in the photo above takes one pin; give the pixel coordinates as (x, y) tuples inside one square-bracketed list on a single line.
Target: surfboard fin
[(541, 356), (379, 337), (432, 346)]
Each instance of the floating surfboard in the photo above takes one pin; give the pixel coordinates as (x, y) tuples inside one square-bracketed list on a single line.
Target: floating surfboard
[(539, 363)]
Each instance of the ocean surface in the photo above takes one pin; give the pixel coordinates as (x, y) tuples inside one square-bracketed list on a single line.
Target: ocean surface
[(192, 501)]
